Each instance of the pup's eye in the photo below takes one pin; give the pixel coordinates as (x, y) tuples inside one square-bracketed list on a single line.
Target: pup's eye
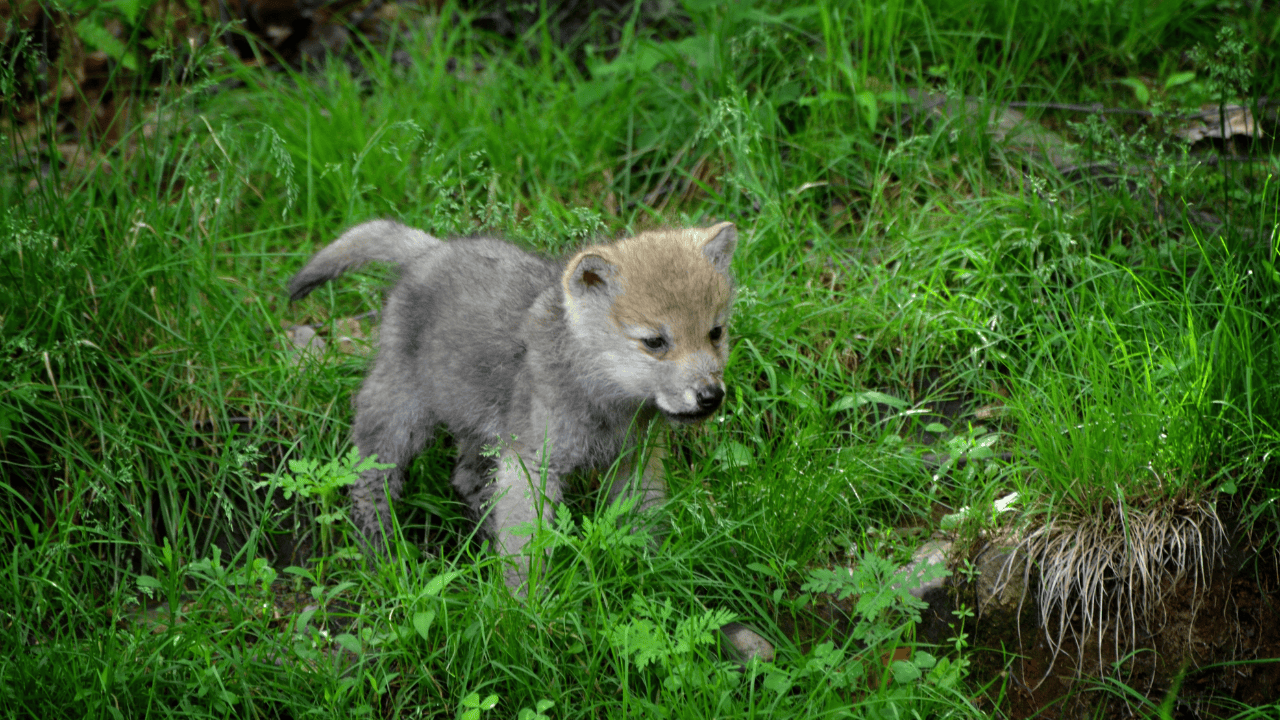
[(716, 333), (654, 343)]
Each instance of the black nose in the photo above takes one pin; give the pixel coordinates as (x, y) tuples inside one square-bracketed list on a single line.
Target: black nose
[(709, 398)]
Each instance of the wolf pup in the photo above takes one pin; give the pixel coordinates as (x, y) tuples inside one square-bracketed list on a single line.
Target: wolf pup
[(560, 365)]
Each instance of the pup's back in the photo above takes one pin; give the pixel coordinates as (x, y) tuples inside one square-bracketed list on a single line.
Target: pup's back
[(452, 328)]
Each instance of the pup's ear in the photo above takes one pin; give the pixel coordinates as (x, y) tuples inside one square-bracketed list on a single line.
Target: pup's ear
[(721, 241), (590, 274)]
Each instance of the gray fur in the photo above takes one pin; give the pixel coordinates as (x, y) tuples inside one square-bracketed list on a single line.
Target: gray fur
[(381, 240), (476, 335)]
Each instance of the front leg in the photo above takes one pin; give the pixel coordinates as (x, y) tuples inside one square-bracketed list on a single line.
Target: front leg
[(648, 445), (524, 491)]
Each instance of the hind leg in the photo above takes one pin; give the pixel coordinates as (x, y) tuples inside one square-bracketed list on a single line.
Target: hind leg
[(393, 423), (473, 475)]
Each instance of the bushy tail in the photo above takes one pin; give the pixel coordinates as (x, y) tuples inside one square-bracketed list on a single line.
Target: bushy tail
[(383, 240)]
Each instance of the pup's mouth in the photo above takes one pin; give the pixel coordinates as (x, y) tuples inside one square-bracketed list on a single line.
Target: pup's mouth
[(691, 417)]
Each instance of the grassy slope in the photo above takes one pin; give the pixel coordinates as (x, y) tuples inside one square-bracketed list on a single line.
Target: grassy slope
[(886, 268)]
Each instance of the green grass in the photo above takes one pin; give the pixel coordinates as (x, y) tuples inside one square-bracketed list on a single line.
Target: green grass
[(1123, 353)]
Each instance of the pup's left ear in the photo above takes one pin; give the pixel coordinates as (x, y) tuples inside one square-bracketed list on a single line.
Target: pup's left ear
[(721, 241), (590, 274)]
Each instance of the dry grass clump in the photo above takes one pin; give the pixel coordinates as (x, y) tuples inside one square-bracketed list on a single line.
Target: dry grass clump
[(1112, 571)]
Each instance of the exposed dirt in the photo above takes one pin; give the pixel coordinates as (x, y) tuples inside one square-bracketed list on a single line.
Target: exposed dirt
[(1209, 651), (1215, 649)]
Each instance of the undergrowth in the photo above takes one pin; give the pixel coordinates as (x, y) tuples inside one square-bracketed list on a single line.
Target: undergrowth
[(170, 507)]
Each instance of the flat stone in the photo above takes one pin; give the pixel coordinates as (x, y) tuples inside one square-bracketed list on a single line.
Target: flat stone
[(744, 644), (915, 575), (304, 343)]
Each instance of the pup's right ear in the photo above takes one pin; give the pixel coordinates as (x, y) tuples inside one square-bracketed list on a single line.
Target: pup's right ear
[(589, 274), (721, 241)]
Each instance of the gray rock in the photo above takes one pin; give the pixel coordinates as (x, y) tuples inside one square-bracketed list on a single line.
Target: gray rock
[(743, 644), (304, 344)]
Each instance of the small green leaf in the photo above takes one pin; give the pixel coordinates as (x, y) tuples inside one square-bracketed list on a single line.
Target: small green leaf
[(897, 97), (100, 38), (474, 705), (437, 584), (1177, 79), (148, 582), (592, 92), (1266, 264), (733, 455), (422, 622), (982, 452), (870, 396), (924, 660), (904, 672), (826, 97), (786, 93), (779, 682), (845, 403), (1139, 88), (128, 8), (348, 642)]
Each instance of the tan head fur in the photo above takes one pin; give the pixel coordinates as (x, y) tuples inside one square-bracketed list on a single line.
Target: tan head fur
[(660, 298), (656, 274)]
